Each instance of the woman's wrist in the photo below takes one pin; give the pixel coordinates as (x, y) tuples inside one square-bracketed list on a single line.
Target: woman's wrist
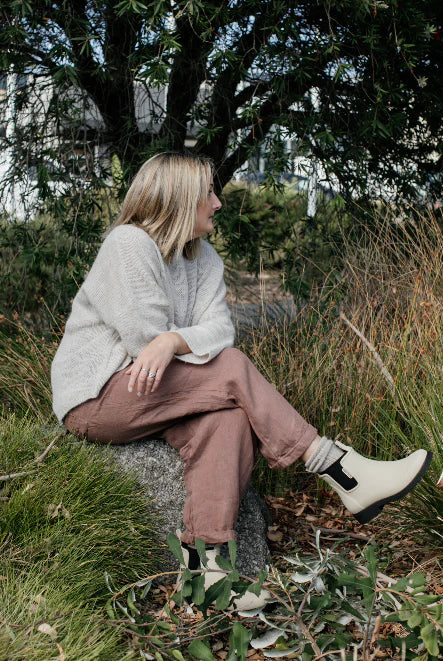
[(180, 345)]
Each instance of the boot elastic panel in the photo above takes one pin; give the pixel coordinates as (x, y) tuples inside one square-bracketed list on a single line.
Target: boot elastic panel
[(337, 473), (194, 558)]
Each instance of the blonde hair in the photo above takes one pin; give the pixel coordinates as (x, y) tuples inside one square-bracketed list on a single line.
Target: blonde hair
[(163, 200)]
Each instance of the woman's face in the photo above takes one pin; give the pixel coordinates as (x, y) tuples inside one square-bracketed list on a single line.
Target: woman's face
[(205, 213)]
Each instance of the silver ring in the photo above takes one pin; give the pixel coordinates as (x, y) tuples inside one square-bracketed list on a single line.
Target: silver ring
[(143, 369), (151, 375)]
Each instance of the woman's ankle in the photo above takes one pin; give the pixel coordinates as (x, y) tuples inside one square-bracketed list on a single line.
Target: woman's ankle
[(311, 449), (324, 454)]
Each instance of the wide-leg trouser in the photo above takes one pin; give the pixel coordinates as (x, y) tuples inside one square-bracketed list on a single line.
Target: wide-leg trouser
[(215, 414)]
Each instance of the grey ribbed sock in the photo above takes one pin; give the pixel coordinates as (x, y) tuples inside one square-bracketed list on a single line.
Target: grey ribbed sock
[(325, 455)]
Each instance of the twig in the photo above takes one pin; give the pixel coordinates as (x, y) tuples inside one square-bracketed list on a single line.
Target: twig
[(3, 478), (351, 535), (50, 446), (381, 578), (375, 355), (38, 460), (367, 627), (325, 654), (307, 634)]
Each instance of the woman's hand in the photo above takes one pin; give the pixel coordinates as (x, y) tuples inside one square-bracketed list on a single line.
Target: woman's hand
[(148, 368)]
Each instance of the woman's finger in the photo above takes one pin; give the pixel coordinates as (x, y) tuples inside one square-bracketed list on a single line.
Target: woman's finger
[(152, 377), (135, 371), (142, 380), (158, 378)]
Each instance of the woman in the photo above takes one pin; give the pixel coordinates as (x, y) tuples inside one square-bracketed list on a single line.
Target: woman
[(148, 350)]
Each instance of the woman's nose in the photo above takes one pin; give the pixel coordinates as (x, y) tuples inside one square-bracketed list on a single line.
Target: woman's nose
[(216, 203)]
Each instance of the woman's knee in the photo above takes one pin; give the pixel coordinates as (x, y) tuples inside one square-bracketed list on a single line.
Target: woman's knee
[(233, 359)]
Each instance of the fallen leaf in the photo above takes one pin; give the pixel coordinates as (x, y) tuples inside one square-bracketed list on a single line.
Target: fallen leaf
[(275, 535), (55, 510), (48, 630)]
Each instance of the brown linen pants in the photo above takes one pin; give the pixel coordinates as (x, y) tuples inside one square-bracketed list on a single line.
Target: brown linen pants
[(215, 414)]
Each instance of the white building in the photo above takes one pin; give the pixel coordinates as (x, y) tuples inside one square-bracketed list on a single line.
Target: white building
[(18, 190)]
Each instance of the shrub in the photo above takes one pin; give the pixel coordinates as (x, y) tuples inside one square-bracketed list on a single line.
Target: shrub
[(44, 261), (261, 227)]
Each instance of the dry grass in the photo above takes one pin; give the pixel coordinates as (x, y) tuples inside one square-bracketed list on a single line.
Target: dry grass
[(362, 359)]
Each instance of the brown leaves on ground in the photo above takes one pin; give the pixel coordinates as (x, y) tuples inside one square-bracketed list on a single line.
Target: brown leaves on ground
[(297, 517)]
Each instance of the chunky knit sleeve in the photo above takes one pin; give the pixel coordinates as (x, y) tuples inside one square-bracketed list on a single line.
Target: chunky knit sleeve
[(211, 328), (125, 288)]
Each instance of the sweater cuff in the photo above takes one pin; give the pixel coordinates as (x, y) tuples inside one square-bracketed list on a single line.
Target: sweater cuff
[(189, 337)]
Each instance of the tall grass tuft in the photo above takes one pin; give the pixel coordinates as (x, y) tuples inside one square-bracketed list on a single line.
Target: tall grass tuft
[(25, 365), (68, 520), (362, 360)]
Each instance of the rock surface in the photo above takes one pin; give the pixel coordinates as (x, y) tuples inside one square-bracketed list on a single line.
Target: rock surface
[(159, 469)]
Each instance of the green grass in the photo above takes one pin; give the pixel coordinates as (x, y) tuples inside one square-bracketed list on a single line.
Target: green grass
[(70, 520)]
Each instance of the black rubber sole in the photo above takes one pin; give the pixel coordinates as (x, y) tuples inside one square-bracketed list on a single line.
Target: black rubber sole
[(375, 509)]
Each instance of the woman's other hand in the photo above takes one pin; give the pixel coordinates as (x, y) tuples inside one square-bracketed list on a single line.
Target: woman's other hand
[(150, 365)]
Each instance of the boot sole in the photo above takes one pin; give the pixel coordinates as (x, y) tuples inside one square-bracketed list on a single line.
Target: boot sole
[(375, 509)]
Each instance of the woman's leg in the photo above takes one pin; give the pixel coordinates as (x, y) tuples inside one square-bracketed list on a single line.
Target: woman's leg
[(215, 414), (230, 380), (218, 449)]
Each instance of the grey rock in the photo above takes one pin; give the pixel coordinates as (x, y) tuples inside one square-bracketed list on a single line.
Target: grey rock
[(159, 469), (250, 315)]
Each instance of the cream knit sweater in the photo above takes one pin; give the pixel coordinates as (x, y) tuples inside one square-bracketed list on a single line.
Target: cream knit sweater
[(128, 298)]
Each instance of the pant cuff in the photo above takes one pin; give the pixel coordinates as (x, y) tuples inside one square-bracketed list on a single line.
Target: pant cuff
[(296, 451), (211, 537)]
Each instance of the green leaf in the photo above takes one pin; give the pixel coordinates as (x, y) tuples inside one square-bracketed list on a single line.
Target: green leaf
[(175, 546), (110, 609), (415, 581), (232, 546), (201, 550), (212, 593), (255, 588), (402, 584), (346, 606), (146, 585), (201, 651), (131, 602), (178, 655), (223, 563), (372, 563), (187, 575), (224, 598), (429, 636), (415, 620), (187, 589), (198, 589), (239, 641), (169, 612), (426, 599), (164, 626)]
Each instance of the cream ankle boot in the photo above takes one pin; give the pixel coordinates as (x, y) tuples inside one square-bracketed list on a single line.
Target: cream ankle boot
[(366, 485), (213, 573)]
